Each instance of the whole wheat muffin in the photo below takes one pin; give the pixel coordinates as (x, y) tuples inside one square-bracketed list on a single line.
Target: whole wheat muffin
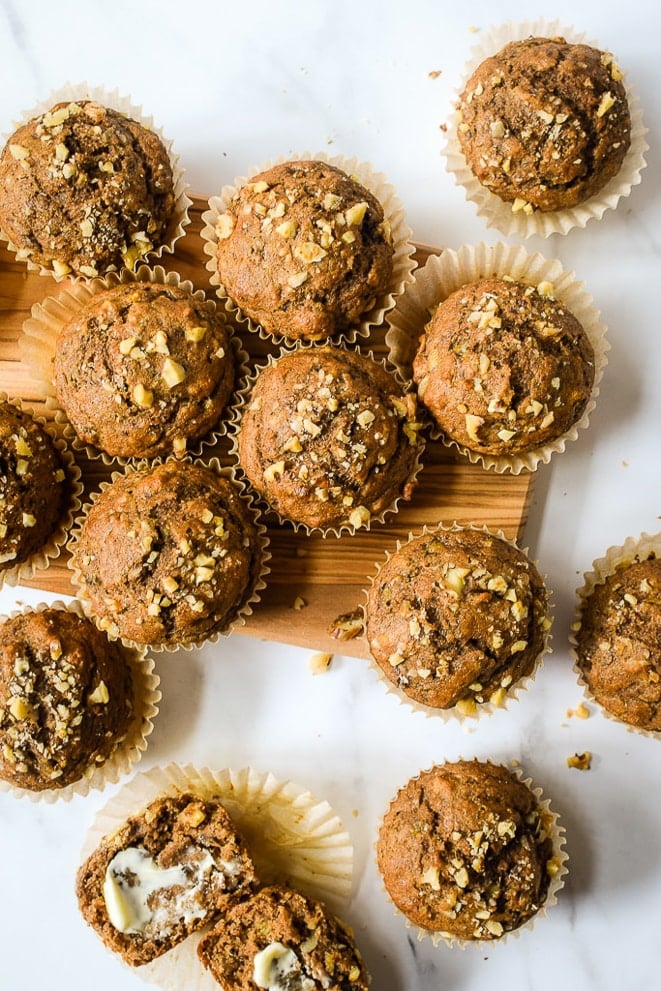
[(144, 370), (463, 850), (545, 124), (84, 189), (304, 250)]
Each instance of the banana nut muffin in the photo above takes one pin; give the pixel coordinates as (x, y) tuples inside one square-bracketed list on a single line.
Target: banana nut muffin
[(545, 124), (456, 617), (280, 939), (143, 370), (328, 437), (165, 873), (66, 698), (464, 850), (619, 643), (504, 367), (304, 250), (168, 555), (84, 189)]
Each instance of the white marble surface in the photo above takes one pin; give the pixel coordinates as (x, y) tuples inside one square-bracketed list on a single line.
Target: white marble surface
[(232, 85)]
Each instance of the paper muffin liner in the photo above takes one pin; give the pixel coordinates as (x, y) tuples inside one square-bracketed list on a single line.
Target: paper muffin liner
[(554, 829), (52, 549), (115, 101), (146, 695), (258, 584), (235, 429), (293, 838), (442, 275), (466, 714), (37, 348), (403, 260), (633, 549), (498, 213)]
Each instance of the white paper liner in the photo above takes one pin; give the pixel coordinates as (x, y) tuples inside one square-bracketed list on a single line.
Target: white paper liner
[(292, 837), (498, 213), (146, 695), (73, 92), (443, 274), (403, 260), (633, 549)]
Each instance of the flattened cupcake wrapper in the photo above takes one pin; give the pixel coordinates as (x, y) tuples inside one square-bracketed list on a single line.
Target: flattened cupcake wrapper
[(470, 712), (37, 347), (403, 260), (499, 213), (633, 548), (115, 101), (292, 837), (52, 549), (129, 751), (442, 275), (263, 557), (235, 429)]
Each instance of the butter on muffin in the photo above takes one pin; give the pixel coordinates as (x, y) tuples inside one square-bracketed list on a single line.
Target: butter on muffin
[(279, 938), (545, 124), (329, 438), (304, 250), (144, 369), (85, 189), (169, 870), (503, 367), (465, 850)]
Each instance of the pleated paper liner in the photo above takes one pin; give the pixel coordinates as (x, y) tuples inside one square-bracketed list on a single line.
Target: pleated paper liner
[(293, 838), (71, 93), (376, 183), (499, 213), (130, 749), (442, 275)]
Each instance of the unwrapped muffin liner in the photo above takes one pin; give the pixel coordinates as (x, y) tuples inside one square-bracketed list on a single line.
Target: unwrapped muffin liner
[(38, 344), (498, 213), (403, 260), (146, 695), (52, 549), (443, 274), (633, 549), (292, 837), (115, 101)]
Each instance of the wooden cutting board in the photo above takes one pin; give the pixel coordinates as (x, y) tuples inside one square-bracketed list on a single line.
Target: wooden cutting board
[(324, 577)]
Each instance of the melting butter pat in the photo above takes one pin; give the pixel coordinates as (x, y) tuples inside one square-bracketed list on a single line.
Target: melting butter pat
[(274, 967)]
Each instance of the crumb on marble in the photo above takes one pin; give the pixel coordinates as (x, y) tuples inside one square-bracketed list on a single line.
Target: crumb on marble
[(582, 762), (319, 663)]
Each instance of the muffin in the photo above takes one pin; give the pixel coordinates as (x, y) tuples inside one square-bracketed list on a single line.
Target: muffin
[(168, 555), (544, 124), (144, 369), (456, 617), (328, 438), (465, 851), (279, 938), (85, 189), (165, 873), (304, 250), (503, 367), (66, 698)]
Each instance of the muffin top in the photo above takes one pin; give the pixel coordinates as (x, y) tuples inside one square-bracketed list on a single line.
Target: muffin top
[(304, 250), (545, 124), (463, 850), (504, 367), (619, 643), (143, 370), (328, 437), (84, 189), (279, 938), (32, 486), (66, 698), (168, 555)]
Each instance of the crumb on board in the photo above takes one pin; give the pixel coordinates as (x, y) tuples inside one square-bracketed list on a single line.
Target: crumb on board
[(581, 711), (299, 603), (320, 662), (347, 625), (581, 762)]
